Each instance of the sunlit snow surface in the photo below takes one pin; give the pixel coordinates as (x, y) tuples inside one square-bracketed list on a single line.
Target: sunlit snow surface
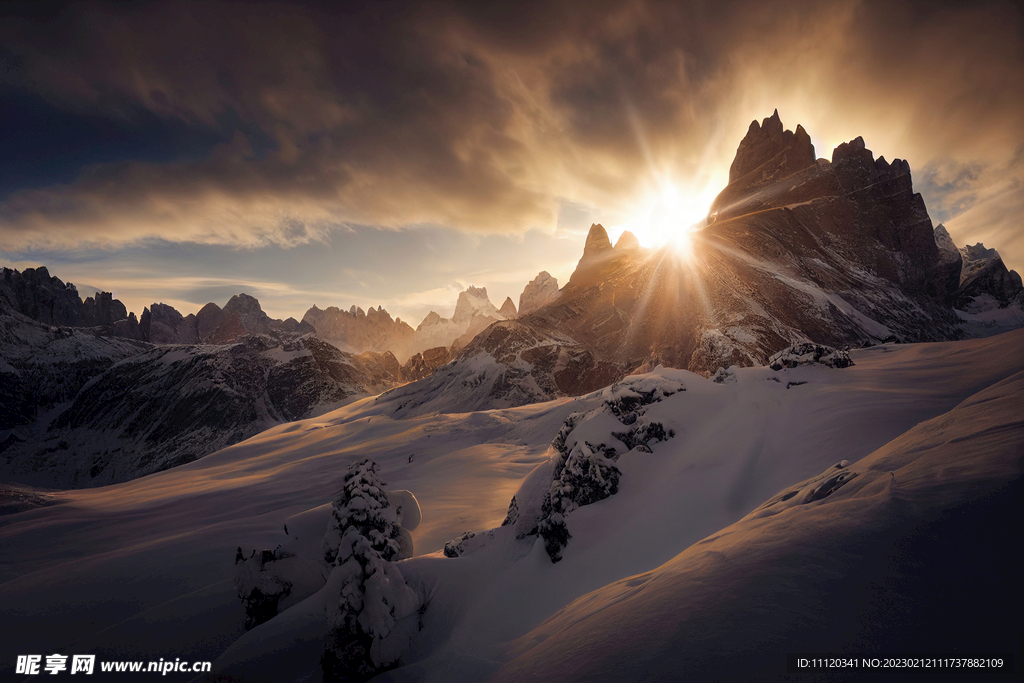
[(142, 570)]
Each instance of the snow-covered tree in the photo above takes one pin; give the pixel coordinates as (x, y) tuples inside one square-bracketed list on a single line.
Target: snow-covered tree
[(259, 586), (582, 476), (376, 613), (584, 471)]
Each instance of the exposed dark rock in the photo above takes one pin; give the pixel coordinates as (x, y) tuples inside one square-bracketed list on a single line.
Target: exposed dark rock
[(767, 154), (44, 298), (423, 364), (983, 273), (163, 324), (807, 353), (34, 293)]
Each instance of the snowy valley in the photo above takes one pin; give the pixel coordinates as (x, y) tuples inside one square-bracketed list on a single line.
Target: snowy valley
[(934, 415)]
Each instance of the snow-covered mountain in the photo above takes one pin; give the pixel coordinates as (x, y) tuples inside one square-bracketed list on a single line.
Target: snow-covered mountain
[(473, 313), (838, 252), (43, 367), (989, 299), (984, 275), (83, 409), (686, 463), (707, 529), (887, 554)]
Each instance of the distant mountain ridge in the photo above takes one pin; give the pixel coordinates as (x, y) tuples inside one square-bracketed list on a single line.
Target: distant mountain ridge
[(840, 253), (375, 330), (242, 315), (83, 407), (36, 294)]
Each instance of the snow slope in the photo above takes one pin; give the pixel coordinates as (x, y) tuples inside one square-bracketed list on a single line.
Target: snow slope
[(143, 569), (908, 554)]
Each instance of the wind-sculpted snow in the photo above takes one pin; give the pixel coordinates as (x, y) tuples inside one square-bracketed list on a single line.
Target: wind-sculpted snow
[(901, 551), (583, 471), (809, 491)]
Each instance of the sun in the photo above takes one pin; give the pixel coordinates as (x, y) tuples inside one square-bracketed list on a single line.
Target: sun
[(669, 215)]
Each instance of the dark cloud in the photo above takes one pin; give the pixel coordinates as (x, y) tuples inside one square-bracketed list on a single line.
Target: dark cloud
[(273, 123)]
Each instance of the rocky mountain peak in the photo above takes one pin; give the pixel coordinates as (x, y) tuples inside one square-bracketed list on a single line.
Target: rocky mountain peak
[(943, 240), (978, 252), (948, 253), (45, 298), (539, 292), (508, 308), (473, 301), (627, 241), (772, 125), (379, 313), (597, 241), (432, 318), (983, 274), (596, 251), (770, 144), (243, 304)]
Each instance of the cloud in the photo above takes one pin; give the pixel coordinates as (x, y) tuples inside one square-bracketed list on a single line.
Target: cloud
[(493, 118)]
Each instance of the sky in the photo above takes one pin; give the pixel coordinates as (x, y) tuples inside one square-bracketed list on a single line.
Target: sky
[(393, 153)]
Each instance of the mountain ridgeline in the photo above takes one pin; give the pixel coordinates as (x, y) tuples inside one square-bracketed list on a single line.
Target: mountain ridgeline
[(838, 252)]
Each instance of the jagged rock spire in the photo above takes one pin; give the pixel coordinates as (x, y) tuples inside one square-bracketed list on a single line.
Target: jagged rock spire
[(767, 142)]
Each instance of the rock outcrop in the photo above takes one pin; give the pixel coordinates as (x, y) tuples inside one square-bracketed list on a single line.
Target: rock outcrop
[(984, 273), (423, 364)]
